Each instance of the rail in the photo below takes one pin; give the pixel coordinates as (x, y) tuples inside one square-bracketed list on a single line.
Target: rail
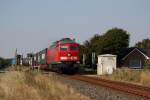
[(121, 86)]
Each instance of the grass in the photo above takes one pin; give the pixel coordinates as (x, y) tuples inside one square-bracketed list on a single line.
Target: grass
[(32, 85), (141, 77), (145, 78)]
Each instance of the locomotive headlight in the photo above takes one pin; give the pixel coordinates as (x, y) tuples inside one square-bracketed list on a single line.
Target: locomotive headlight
[(75, 58), (69, 55), (63, 58)]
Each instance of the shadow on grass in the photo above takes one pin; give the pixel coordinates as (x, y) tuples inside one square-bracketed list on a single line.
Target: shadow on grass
[(87, 70)]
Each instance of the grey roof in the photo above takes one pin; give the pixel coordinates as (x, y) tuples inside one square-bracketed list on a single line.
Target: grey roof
[(66, 40), (63, 41), (127, 51), (107, 55)]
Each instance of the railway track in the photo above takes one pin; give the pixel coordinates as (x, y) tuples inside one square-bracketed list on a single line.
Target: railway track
[(120, 86)]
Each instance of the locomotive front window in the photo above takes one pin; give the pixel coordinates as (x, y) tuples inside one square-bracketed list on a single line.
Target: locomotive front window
[(74, 48), (63, 48)]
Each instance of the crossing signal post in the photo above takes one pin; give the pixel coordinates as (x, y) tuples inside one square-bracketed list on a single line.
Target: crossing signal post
[(83, 59), (93, 60)]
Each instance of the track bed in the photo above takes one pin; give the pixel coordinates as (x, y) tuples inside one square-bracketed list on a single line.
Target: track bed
[(95, 91)]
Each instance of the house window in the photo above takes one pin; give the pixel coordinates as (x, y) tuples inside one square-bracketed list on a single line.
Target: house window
[(135, 63)]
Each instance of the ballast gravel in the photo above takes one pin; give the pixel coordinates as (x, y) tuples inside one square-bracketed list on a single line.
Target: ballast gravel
[(95, 92)]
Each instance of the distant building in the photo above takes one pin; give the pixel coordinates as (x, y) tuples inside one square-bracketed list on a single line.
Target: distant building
[(134, 57), (13, 61)]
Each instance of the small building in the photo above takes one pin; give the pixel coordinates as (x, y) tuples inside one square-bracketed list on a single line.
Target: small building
[(135, 57), (13, 61), (106, 64)]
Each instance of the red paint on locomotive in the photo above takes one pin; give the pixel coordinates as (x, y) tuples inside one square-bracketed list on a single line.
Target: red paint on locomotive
[(62, 56), (63, 52)]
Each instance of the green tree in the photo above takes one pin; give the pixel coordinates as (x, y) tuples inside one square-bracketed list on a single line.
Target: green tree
[(84, 49), (4, 62), (145, 43), (110, 42), (114, 40)]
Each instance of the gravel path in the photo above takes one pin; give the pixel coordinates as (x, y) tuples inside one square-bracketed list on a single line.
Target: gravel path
[(97, 92)]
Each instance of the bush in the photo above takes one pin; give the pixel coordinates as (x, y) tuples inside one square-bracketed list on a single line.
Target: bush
[(147, 66), (4, 63)]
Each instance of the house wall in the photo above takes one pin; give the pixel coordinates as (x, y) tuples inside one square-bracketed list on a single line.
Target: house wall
[(134, 55)]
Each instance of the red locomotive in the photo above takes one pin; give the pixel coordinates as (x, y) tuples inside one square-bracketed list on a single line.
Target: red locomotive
[(62, 56)]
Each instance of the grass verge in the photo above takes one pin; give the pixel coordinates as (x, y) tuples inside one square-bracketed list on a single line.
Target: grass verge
[(141, 77), (30, 85)]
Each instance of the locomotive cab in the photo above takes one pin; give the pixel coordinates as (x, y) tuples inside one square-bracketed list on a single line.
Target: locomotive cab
[(63, 55), (69, 57), (69, 52)]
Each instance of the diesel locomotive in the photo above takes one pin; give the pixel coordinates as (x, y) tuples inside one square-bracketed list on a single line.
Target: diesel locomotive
[(62, 56)]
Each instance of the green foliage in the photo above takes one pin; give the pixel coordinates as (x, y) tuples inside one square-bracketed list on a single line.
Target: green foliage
[(4, 62), (111, 42), (145, 43), (114, 40), (147, 65), (84, 50)]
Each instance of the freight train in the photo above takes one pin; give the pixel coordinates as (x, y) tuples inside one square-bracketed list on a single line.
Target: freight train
[(62, 56)]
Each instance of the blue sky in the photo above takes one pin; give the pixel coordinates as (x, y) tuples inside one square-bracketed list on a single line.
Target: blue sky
[(31, 25)]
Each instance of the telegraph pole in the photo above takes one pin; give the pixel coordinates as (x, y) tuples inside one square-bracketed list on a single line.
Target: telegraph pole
[(15, 57), (83, 60), (93, 59)]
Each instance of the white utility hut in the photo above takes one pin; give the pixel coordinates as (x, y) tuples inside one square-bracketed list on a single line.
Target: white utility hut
[(106, 64)]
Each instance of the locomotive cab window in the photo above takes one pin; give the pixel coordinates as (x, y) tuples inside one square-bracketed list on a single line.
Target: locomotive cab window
[(63, 48), (74, 48)]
